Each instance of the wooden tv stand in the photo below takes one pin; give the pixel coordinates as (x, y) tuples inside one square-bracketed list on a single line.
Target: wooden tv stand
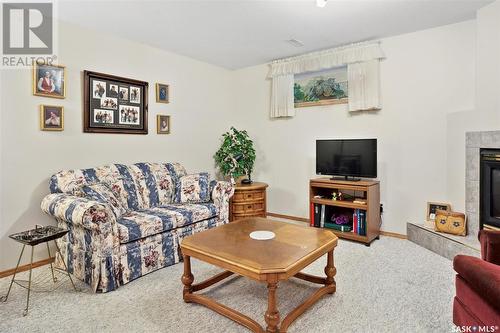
[(365, 189)]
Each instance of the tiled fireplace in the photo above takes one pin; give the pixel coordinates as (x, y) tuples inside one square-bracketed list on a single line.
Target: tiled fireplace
[(489, 189), (482, 198), (482, 185)]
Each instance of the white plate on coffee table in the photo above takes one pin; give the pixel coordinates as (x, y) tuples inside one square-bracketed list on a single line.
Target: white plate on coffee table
[(262, 235)]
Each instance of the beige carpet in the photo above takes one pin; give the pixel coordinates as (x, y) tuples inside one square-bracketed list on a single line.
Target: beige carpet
[(392, 286)]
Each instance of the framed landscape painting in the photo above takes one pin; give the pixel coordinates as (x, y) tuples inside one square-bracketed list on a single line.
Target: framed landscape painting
[(321, 88), (114, 104)]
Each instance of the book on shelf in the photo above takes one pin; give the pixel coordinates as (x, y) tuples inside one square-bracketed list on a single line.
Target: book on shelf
[(317, 215), (359, 201), (355, 221), (322, 218), (321, 215), (359, 222), (356, 214), (362, 217), (311, 215), (338, 227)]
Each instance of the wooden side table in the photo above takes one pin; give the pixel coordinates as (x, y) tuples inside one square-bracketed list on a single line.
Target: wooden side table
[(248, 201)]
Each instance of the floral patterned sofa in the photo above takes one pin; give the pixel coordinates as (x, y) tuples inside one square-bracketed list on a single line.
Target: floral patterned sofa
[(125, 221)]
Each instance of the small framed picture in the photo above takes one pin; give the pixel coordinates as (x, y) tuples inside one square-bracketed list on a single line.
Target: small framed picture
[(103, 117), (129, 115), (162, 93), (432, 207), (99, 89), (123, 94), (49, 81), (51, 118), (113, 91), (163, 124), (135, 95)]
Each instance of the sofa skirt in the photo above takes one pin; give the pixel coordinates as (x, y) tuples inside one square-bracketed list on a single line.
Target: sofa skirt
[(127, 262), (470, 309)]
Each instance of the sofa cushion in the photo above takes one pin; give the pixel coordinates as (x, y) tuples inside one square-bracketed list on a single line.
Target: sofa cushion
[(176, 170), (129, 187), (165, 185), (71, 181), (144, 185), (193, 188), (147, 177), (152, 183), (135, 225), (483, 277), (100, 192), (115, 175)]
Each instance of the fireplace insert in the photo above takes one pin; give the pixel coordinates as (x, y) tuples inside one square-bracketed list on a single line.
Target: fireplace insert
[(489, 189)]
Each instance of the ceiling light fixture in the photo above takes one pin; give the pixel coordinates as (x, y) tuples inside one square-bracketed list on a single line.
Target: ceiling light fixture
[(321, 3)]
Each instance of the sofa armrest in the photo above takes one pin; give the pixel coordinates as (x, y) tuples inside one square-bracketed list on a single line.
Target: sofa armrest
[(482, 276), (221, 191), (78, 211), (490, 246), (84, 215)]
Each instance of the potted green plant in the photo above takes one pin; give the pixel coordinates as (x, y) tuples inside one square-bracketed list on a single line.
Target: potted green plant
[(236, 155)]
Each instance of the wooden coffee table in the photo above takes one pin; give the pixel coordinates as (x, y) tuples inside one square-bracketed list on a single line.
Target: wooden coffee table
[(230, 247)]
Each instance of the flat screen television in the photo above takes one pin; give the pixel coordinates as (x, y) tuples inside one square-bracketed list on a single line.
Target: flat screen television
[(347, 158)]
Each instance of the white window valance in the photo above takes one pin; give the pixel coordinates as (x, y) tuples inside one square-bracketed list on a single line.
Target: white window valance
[(336, 57), (282, 99), (362, 62), (364, 86)]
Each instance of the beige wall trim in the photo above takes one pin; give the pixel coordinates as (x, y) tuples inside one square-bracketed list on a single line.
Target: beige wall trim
[(393, 234), (289, 217), (305, 220), (26, 267)]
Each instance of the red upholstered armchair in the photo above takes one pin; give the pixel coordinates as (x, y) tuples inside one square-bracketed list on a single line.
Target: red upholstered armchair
[(477, 300)]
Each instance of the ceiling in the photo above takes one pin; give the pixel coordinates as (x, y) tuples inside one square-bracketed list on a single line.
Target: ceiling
[(236, 34)]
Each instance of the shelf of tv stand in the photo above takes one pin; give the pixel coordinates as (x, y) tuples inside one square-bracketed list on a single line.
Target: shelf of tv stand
[(349, 235), (339, 203), (370, 191)]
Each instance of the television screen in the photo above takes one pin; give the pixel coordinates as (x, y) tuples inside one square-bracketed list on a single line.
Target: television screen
[(353, 158)]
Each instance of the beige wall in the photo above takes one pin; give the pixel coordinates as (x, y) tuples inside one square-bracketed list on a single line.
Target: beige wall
[(428, 83), (200, 111), (426, 76), (486, 115)]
